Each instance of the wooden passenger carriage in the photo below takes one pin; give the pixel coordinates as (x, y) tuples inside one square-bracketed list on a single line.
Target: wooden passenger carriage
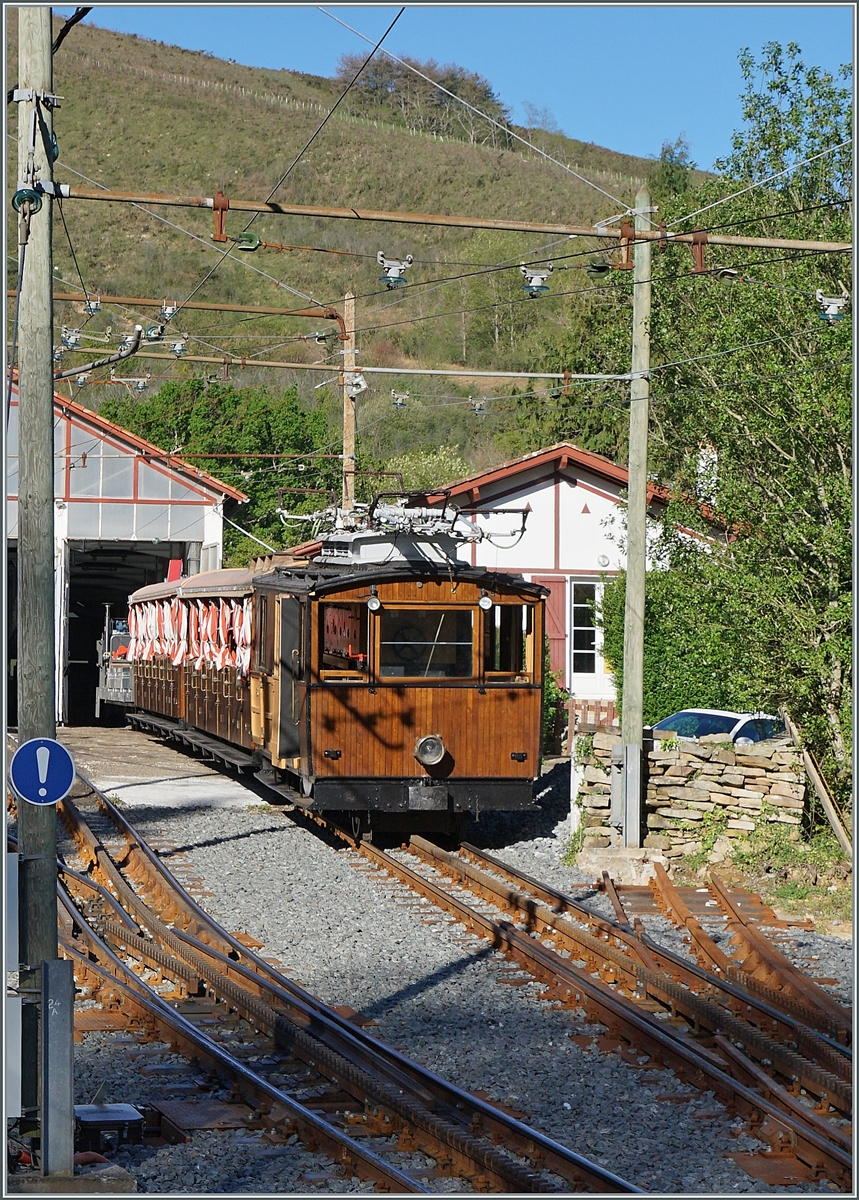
[(396, 688)]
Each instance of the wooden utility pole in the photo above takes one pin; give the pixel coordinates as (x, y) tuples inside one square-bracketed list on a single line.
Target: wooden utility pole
[(636, 534), (348, 497), (46, 1063)]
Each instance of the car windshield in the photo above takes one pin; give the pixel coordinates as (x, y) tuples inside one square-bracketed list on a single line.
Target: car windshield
[(696, 724)]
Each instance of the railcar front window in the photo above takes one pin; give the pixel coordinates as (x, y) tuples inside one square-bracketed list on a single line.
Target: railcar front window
[(434, 644)]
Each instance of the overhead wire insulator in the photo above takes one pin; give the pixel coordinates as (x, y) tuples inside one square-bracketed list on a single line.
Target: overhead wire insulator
[(71, 338), (832, 305), (155, 333), (597, 269), (246, 241), (179, 348), (355, 384), (91, 307), (394, 270), (535, 279), (27, 196), (400, 399), (478, 407), (168, 311)]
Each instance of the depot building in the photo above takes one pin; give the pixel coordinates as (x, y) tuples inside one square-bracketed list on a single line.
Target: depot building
[(126, 514)]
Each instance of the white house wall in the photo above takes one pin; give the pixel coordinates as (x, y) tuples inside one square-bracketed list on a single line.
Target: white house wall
[(107, 490)]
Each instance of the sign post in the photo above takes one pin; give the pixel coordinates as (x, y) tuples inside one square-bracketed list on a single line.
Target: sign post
[(41, 773)]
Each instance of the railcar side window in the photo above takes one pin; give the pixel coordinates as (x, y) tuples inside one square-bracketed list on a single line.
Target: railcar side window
[(264, 639), (505, 630), (420, 644), (343, 636)]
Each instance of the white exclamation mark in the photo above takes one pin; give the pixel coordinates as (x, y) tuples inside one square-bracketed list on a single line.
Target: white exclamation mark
[(43, 757)]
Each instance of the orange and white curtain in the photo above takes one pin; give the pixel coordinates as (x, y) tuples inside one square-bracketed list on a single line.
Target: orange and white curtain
[(205, 632)]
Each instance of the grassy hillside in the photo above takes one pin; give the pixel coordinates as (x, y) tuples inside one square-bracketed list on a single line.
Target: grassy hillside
[(139, 115)]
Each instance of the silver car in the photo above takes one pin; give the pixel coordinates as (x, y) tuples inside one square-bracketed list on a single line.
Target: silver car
[(742, 728)]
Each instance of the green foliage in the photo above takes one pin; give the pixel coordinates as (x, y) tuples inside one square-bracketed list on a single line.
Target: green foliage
[(584, 748), (390, 87), (576, 842), (770, 847), (194, 418), (424, 469), (754, 420), (672, 176), (554, 704), (708, 830)]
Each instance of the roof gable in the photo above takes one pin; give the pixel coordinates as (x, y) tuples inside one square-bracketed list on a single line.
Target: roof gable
[(557, 457), (140, 447)]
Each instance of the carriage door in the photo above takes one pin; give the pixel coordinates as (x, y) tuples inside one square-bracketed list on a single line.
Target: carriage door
[(293, 692)]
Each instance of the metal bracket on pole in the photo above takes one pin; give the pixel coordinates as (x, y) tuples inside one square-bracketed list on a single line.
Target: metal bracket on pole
[(627, 236), (220, 205), (58, 1000), (632, 777), (617, 784), (47, 98), (699, 249)]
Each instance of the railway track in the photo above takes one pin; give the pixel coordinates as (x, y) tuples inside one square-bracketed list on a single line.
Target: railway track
[(126, 921), (763, 1037)]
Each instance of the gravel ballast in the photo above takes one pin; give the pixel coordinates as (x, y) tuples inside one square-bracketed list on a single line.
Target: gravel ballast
[(434, 992)]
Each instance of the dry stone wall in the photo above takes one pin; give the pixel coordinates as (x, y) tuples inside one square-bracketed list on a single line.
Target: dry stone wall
[(696, 787)]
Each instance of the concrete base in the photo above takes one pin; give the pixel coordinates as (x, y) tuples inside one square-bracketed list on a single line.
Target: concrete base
[(625, 864), (98, 1179)]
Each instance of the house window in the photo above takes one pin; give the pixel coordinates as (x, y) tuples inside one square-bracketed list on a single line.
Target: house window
[(584, 633)]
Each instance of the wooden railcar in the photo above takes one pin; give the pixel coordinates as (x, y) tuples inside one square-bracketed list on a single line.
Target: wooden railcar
[(406, 693)]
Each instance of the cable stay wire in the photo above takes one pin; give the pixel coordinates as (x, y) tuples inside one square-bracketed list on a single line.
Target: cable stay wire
[(297, 158), (77, 15), (484, 116), (195, 237), (762, 182)]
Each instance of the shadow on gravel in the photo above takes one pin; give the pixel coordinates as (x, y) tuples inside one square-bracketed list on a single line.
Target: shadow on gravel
[(150, 820), (493, 830), (388, 1003)]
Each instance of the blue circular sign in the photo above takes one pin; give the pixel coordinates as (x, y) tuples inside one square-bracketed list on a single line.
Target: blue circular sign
[(42, 771)]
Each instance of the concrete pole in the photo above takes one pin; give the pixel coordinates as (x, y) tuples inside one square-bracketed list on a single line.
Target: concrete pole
[(37, 824), (349, 364), (636, 548)]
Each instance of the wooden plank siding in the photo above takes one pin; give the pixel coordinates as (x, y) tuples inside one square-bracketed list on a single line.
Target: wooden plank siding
[(376, 723), (213, 701), (376, 733)]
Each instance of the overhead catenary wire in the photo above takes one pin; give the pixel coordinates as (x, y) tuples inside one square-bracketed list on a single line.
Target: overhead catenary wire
[(761, 183), (507, 303), (195, 237), (77, 15), (506, 129), (301, 152)]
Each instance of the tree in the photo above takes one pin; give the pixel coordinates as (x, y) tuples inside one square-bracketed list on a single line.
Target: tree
[(754, 412), (194, 417), (672, 174), (424, 469)]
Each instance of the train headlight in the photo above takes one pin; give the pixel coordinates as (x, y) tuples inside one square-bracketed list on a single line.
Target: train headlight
[(485, 602), (430, 750), (374, 603)]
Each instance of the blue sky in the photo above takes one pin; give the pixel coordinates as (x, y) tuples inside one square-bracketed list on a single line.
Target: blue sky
[(628, 77)]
